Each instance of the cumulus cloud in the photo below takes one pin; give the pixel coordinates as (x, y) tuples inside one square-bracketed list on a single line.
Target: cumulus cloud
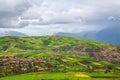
[(50, 16), (58, 12), (10, 10), (69, 12)]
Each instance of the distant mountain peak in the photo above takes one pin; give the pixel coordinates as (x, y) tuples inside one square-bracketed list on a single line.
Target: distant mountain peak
[(11, 33), (110, 34)]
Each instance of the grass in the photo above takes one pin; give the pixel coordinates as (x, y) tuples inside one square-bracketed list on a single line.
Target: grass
[(68, 50), (63, 76)]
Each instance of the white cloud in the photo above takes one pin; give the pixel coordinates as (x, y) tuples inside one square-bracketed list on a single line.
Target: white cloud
[(50, 16), (10, 10)]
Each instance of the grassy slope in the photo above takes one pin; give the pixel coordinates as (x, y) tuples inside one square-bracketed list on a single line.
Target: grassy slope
[(50, 46), (62, 76), (30, 46), (70, 49)]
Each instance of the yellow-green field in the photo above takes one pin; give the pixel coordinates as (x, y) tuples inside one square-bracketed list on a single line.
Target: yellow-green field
[(64, 76)]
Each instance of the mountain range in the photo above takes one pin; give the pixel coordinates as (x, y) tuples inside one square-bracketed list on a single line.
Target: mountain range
[(11, 33), (111, 35)]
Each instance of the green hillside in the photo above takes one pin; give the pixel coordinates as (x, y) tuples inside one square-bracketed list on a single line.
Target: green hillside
[(56, 54), (53, 45), (36, 46)]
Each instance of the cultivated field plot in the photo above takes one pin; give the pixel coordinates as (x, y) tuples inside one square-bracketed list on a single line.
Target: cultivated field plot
[(64, 76)]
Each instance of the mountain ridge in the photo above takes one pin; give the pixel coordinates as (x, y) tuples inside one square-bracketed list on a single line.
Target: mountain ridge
[(110, 35), (12, 33)]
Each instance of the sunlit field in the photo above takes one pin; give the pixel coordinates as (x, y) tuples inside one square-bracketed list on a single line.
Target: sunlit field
[(64, 76)]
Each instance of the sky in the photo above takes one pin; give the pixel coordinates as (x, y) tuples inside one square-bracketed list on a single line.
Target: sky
[(47, 17)]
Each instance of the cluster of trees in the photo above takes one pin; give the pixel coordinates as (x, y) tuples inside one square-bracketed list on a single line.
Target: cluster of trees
[(12, 65)]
